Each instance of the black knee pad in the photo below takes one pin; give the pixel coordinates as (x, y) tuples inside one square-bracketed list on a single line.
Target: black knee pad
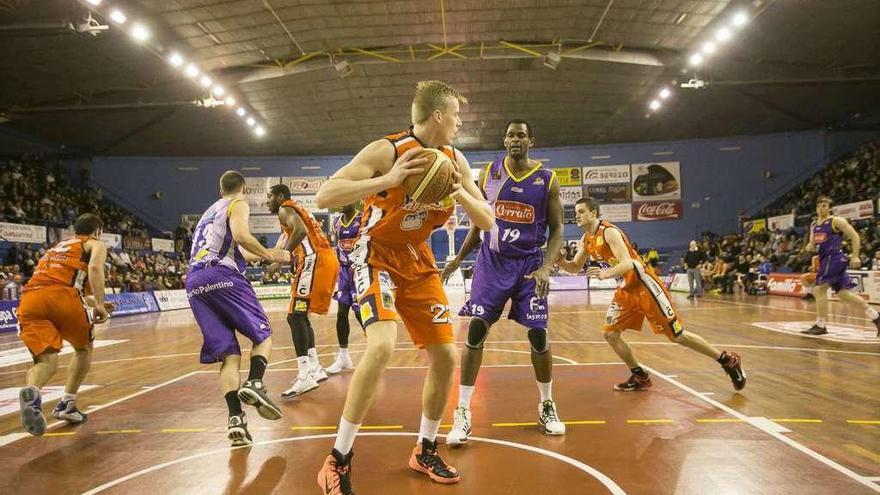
[(538, 340), (478, 330)]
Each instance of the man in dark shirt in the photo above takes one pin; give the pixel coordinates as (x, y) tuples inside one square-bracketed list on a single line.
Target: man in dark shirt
[(692, 260)]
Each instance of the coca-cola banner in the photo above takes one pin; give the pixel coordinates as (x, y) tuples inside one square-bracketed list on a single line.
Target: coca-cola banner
[(255, 190), (781, 222), (855, 211), (649, 211), (570, 195), (616, 213), (607, 174), (785, 284), (656, 181), (303, 185)]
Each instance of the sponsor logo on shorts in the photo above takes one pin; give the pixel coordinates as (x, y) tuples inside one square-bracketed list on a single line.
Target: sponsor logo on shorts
[(676, 327), (210, 287), (301, 305), (366, 312), (386, 290), (514, 211), (612, 314)]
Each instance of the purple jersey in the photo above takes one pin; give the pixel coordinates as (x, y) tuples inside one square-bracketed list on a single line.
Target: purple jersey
[(212, 240), (827, 240), (346, 236), (520, 206)]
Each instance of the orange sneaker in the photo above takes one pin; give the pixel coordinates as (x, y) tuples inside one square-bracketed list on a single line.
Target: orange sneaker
[(334, 478), (425, 459)]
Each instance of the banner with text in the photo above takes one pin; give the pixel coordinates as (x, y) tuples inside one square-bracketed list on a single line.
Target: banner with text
[(649, 211), (308, 202), (113, 241), (15, 232), (255, 190), (8, 316), (754, 226), (606, 174), (164, 245), (568, 176), (570, 195), (855, 211), (610, 193), (304, 185), (616, 213), (135, 242), (656, 181), (264, 224), (171, 299), (781, 222), (129, 303)]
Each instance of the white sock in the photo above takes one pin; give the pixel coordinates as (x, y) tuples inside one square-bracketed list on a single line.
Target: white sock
[(428, 429), (820, 322), (808, 289), (304, 364), (343, 353), (313, 353), (345, 436), (464, 395), (68, 397), (546, 390), (872, 313)]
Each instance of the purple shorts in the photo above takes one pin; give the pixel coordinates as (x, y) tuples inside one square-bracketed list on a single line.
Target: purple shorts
[(346, 294), (832, 272), (223, 301), (498, 278)]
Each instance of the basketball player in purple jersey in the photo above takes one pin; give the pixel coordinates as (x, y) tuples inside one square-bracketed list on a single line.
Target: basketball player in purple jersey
[(223, 301), (826, 236), (511, 265), (346, 229)]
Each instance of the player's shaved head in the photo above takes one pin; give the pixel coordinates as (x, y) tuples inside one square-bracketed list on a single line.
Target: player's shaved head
[(231, 182)]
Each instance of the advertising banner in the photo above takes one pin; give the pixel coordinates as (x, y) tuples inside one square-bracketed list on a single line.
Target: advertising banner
[(570, 195), (657, 210), (855, 211), (255, 190), (308, 202), (679, 283), (607, 174), (780, 222), (568, 176), (129, 303), (785, 284), (610, 193), (171, 299), (113, 241), (754, 226), (264, 224), (135, 242), (8, 316), (15, 232), (164, 245), (616, 213), (656, 181), (304, 185), (273, 291)]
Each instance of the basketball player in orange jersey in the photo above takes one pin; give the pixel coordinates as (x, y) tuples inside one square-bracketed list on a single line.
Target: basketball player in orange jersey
[(395, 272), (641, 295), (53, 309), (315, 269)]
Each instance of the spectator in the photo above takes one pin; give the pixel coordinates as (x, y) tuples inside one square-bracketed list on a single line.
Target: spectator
[(692, 261), (875, 265), (12, 290)]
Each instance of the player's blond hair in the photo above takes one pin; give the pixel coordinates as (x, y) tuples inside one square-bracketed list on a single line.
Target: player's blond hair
[(430, 96)]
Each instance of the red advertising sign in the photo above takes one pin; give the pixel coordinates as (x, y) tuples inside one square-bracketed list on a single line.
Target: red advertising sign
[(785, 284), (648, 211)]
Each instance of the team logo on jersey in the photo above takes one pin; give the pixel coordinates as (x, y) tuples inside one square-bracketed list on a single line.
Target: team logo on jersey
[(514, 211), (346, 244), (516, 189), (539, 181), (819, 237), (413, 221)]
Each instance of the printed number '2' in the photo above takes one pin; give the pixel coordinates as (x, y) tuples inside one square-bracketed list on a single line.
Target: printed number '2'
[(441, 313)]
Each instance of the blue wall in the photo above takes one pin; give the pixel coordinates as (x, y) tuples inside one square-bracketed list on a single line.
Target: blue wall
[(729, 172)]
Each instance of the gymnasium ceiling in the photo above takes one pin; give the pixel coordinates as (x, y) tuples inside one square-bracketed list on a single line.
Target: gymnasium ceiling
[(799, 64)]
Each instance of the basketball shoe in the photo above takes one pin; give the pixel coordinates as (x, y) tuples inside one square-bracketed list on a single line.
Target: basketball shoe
[(237, 431), (318, 372), (66, 410), (732, 365), (303, 383), (461, 428), (334, 478), (548, 419), (254, 393), (815, 330), (340, 365), (634, 383), (425, 459), (32, 417)]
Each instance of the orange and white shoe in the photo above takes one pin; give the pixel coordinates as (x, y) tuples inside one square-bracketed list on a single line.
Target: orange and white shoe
[(425, 459), (334, 478)]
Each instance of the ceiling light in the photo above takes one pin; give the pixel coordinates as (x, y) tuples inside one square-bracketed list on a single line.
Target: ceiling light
[(175, 59), (117, 17), (696, 59), (723, 34), (191, 70), (654, 105), (218, 90), (708, 48), (140, 33), (739, 19), (664, 93), (94, 2), (259, 131), (230, 101), (551, 60), (250, 121), (680, 18), (240, 111), (205, 81), (343, 68)]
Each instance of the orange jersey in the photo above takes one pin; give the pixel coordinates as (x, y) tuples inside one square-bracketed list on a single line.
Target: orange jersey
[(599, 250), (391, 217), (66, 264), (315, 239)]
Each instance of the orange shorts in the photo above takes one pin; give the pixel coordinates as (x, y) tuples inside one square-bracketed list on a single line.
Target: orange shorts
[(49, 315), (404, 280), (314, 282), (646, 299)]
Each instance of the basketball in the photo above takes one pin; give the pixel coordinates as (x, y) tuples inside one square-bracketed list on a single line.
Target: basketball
[(435, 183)]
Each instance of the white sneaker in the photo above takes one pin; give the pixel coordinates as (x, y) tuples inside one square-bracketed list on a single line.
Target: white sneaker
[(301, 385), (461, 428), (548, 418), (317, 372), (340, 365)]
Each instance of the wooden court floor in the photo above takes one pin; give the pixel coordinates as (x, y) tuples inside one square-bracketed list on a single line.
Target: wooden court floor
[(807, 422)]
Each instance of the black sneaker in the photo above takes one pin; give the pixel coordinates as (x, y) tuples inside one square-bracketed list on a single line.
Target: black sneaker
[(815, 330), (334, 478), (254, 393), (425, 459), (635, 382), (734, 370), (237, 432), (808, 297), (690, 296), (877, 324)]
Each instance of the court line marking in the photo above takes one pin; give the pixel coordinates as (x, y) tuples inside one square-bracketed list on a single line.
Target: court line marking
[(8, 439), (568, 361), (792, 310), (863, 421), (769, 430), (601, 477), (116, 432), (649, 421)]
